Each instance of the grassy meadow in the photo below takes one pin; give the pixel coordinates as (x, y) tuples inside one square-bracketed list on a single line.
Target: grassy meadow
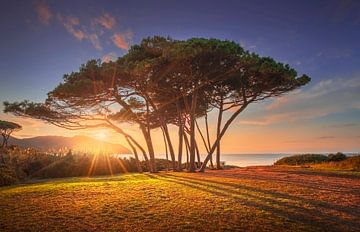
[(243, 199)]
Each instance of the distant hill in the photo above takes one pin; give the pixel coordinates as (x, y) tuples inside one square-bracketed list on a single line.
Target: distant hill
[(76, 143)]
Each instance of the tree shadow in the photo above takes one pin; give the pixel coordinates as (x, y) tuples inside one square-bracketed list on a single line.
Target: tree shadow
[(317, 216)]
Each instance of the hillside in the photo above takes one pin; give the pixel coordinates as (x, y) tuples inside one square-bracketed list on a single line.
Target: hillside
[(76, 143)]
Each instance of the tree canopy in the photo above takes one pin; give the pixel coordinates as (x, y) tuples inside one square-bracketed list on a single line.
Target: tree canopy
[(163, 81), (6, 129)]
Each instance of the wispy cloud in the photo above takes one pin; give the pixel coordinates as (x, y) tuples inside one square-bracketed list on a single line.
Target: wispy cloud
[(43, 12), (94, 39), (326, 137), (106, 20), (71, 24), (122, 40), (326, 97), (109, 57)]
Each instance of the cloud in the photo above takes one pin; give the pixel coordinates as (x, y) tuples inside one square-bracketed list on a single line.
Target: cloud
[(43, 12), (71, 24), (122, 40), (109, 57), (106, 20), (326, 97), (342, 125), (94, 39), (326, 137)]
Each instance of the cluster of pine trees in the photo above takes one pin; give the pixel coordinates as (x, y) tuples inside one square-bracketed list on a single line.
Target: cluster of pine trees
[(162, 82)]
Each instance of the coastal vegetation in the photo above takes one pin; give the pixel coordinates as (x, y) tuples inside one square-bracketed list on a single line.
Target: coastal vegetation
[(337, 161)]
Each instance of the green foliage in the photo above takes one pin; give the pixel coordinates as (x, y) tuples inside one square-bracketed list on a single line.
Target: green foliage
[(336, 157), (20, 164), (351, 163), (7, 175), (5, 125), (302, 159)]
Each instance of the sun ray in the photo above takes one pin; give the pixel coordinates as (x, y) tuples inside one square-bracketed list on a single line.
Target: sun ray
[(92, 165), (122, 166), (109, 165)]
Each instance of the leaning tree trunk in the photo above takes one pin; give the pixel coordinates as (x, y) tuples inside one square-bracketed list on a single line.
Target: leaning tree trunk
[(180, 150), (208, 139), (226, 126), (138, 163), (187, 148), (192, 167), (198, 164), (166, 150), (218, 165), (147, 137), (171, 149)]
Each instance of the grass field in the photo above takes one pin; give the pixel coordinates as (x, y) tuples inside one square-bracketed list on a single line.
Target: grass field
[(246, 199)]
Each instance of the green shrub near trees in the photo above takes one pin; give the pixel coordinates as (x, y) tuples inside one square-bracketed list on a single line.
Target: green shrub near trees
[(302, 159), (21, 164)]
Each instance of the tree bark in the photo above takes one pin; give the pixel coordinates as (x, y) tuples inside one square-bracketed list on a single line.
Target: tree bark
[(138, 163), (147, 137), (187, 146), (171, 149), (218, 165), (166, 150), (192, 167), (198, 155), (208, 140), (180, 150)]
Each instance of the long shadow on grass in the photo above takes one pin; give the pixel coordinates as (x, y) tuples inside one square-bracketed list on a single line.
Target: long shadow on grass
[(315, 186), (355, 212), (272, 202)]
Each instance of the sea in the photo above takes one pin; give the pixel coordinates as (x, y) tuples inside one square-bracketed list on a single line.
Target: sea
[(244, 160)]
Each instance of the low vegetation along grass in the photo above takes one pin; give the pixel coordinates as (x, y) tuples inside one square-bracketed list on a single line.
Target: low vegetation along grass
[(336, 161), (247, 199)]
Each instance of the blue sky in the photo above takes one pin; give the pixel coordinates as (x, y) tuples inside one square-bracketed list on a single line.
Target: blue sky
[(42, 40)]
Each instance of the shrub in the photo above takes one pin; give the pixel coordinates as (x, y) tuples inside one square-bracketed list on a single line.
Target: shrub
[(7, 175), (302, 159), (336, 157), (351, 163)]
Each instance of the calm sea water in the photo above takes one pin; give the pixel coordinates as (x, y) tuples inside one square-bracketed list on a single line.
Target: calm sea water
[(241, 160), (244, 160)]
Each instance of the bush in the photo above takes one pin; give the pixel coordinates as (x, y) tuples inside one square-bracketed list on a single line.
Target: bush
[(336, 157), (302, 159), (351, 163), (7, 175)]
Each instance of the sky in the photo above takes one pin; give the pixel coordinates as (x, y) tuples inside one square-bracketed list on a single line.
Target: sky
[(43, 40)]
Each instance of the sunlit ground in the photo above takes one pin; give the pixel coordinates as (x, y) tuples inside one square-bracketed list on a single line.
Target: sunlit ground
[(253, 199)]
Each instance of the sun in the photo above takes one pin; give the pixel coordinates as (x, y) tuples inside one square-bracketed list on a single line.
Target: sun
[(101, 135)]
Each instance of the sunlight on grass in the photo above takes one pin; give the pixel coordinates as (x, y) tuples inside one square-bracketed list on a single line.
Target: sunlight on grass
[(176, 201)]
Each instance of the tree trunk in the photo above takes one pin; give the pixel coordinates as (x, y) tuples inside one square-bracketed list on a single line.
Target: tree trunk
[(192, 167), (226, 126), (218, 165), (208, 140), (187, 146), (119, 130), (3, 142), (171, 149), (147, 137), (181, 132), (166, 150), (138, 163), (198, 155)]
